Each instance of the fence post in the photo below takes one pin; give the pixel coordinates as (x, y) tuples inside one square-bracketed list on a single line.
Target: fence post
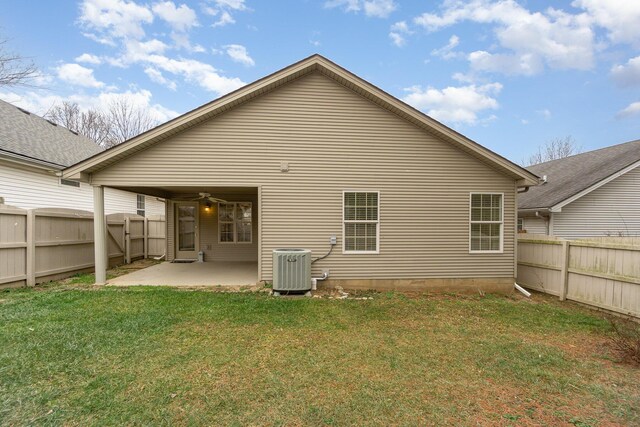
[(145, 232), (127, 240), (31, 248), (566, 247)]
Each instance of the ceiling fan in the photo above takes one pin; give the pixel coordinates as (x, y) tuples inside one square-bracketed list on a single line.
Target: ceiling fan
[(201, 196)]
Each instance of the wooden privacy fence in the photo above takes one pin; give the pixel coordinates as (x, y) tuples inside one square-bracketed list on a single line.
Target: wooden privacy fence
[(39, 245), (603, 273)]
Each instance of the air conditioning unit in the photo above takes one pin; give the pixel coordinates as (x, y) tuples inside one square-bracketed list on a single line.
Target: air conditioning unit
[(291, 270)]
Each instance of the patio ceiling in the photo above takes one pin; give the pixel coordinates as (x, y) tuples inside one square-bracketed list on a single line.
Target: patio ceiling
[(169, 192)]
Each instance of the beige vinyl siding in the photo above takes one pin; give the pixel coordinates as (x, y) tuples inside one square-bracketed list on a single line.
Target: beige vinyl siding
[(28, 188), (535, 225), (336, 140), (609, 210)]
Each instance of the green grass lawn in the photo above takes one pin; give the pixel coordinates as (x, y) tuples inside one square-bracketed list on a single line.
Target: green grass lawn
[(79, 355)]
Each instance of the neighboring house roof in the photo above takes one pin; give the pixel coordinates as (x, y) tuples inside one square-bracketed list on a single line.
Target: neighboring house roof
[(31, 138), (268, 83), (575, 175)]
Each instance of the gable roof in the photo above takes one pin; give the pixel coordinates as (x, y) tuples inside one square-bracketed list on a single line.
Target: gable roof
[(314, 63), (571, 176), (31, 138)]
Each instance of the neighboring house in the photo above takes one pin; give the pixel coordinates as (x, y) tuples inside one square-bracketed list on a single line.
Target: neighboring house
[(33, 151), (311, 153), (590, 194)]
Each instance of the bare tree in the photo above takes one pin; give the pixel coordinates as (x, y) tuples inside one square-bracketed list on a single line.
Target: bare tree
[(14, 69), (126, 120), (119, 121), (554, 149), (91, 123)]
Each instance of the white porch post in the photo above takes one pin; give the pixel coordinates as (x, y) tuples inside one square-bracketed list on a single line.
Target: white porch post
[(99, 235)]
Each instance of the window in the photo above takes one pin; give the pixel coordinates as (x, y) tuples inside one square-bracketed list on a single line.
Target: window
[(69, 182), (361, 223), (140, 204), (486, 222), (520, 225), (235, 223)]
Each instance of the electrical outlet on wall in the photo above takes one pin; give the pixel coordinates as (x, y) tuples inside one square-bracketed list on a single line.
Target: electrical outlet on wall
[(333, 240)]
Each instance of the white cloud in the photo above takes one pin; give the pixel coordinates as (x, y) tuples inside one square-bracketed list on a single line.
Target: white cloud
[(619, 17), (397, 33), (447, 52), (627, 75), (157, 77), (526, 64), (116, 18), (371, 8), (546, 113), (223, 9), (397, 39), (379, 8), (41, 102), (200, 73), (455, 104), (532, 39), (225, 19), (78, 75), (180, 18), (632, 109), (182, 41), (231, 4), (239, 53), (88, 58)]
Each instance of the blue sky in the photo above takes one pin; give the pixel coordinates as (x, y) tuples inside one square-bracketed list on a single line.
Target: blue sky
[(509, 74)]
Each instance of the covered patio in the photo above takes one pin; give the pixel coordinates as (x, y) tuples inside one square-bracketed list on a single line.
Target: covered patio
[(239, 273)]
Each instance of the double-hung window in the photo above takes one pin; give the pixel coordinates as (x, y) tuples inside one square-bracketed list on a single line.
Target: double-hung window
[(361, 221), (486, 222), (235, 222), (140, 203)]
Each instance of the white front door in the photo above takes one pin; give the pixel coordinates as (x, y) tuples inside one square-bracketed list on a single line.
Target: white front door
[(187, 230)]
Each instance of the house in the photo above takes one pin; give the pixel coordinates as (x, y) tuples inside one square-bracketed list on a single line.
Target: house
[(313, 153), (33, 152), (596, 193)]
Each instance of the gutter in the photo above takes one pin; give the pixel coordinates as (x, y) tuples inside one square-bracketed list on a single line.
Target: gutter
[(30, 161)]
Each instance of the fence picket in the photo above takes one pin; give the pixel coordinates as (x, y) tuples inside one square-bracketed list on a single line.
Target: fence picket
[(40, 245), (601, 273)]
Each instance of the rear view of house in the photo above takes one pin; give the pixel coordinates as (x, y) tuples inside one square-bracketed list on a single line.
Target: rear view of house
[(33, 151), (313, 155), (593, 194)]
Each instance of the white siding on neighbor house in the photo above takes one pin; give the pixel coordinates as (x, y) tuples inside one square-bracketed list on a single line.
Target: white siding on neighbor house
[(613, 209), (336, 140), (33, 188), (535, 225)]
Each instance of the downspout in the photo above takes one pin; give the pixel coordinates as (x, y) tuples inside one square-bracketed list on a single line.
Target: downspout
[(315, 280)]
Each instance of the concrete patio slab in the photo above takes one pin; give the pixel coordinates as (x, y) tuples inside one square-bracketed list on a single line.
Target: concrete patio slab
[(192, 274)]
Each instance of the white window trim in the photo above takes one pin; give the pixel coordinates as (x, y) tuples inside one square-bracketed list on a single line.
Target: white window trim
[(523, 226), (344, 250), (471, 251), (145, 205), (235, 222)]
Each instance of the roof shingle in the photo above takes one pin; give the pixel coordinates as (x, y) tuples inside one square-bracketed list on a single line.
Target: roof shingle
[(32, 136), (571, 175)]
